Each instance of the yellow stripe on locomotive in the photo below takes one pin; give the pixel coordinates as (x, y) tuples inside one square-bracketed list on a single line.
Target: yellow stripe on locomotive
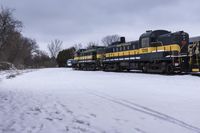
[(172, 47), (195, 70)]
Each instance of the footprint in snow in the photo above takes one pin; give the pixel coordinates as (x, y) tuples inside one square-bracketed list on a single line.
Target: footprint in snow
[(139, 130), (93, 115), (49, 119), (82, 122)]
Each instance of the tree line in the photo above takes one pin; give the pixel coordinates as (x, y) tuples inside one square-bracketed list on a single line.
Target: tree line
[(24, 52), (17, 49)]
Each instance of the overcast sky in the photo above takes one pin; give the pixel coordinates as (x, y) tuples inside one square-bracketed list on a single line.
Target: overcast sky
[(81, 21)]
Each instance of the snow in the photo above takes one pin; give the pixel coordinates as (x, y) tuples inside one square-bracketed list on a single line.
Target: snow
[(60, 100)]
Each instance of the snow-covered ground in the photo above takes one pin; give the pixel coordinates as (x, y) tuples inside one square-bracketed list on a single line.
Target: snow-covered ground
[(63, 100)]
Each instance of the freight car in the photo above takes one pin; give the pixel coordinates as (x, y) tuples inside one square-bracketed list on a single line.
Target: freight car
[(158, 51)]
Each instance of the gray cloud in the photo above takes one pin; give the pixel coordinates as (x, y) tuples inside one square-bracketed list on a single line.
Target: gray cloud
[(75, 21)]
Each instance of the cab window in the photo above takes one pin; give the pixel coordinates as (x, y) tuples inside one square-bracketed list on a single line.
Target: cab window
[(145, 42)]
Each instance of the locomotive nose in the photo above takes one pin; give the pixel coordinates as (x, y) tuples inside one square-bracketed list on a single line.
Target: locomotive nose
[(183, 42)]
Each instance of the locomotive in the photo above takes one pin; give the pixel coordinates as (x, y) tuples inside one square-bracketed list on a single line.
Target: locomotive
[(158, 51), (89, 59)]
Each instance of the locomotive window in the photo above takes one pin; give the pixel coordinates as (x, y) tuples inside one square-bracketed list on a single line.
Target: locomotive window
[(145, 42), (113, 49), (176, 38), (133, 46), (128, 47), (153, 39)]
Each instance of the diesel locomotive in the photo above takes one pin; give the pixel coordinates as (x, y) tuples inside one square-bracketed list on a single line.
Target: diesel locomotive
[(158, 51), (89, 59)]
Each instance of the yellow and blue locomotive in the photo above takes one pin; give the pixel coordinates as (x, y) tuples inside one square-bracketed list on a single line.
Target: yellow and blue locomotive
[(156, 51), (88, 59)]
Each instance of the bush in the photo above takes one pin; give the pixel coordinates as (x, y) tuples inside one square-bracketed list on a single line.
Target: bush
[(6, 66)]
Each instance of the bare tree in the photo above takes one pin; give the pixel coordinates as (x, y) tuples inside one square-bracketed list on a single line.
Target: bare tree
[(54, 47), (8, 26), (92, 44), (14, 47), (41, 59), (108, 40), (78, 46)]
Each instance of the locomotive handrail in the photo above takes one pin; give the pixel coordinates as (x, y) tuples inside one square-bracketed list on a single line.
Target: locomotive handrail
[(192, 47), (118, 56)]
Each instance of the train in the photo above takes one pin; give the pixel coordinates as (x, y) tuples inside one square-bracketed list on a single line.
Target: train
[(158, 51)]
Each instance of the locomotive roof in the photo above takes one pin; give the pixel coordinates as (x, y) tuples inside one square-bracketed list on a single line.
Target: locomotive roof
[(155, 33), (93, 49), (80, 50), (123, 44)]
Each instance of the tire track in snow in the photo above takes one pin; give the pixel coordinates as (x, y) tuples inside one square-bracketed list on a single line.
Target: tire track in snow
[(145, 110)]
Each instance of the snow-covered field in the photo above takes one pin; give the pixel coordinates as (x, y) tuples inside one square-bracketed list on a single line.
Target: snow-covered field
[(63, 100)]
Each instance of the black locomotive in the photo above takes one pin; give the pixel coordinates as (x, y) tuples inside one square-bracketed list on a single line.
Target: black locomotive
[(158, 51), (89, 59)]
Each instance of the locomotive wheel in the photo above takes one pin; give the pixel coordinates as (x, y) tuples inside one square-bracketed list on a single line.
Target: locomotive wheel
[(145, 68), (117, 68), (169, 70), (163, 67), (105, 68), (94, 68)]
